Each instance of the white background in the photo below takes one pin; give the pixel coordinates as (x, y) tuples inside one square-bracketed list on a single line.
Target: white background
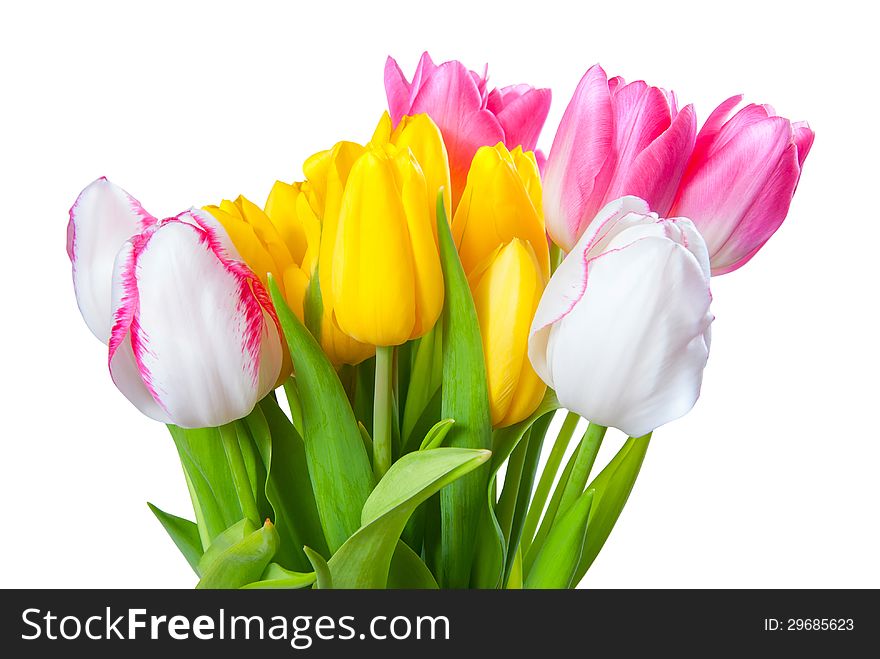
[(771, 481)]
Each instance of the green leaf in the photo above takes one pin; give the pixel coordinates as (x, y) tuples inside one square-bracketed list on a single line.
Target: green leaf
[(323, 577), (365, 558), (491, 555), (421, 384), (275, 577), (209, 479), (368, 441), (408, 571), (242, 562), (435, 436), (229, 538), (558, 559), (611, 489), (340, 471), (426, 421), (288, 485), (465, 398), (184, 533)]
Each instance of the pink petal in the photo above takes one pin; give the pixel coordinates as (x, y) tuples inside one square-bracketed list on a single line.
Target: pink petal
[(523, 117), (641, 114), (580, 148), (657, 170), (803, 137), (722, 191), (763, 217), (397, 89), (451, 98), (710, 129)]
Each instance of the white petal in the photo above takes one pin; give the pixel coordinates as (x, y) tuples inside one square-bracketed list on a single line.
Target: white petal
[(103, 217), (201, 328), (568, 283), (630, 354)]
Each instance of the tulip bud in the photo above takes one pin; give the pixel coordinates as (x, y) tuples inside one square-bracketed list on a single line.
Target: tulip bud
[(739, 183), (103, 217), (506, 292), (614, 139), (387, 282), (502, 201), (468, 114), (622, 331), (195, 340)]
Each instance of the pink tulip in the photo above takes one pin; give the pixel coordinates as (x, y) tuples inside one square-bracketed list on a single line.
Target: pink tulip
[(615, 139), (740, 180), (469, 116)]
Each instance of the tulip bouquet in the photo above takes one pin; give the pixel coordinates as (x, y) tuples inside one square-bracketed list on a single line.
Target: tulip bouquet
[(348, 371)]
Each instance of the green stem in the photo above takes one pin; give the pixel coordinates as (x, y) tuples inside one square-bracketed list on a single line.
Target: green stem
[(531, 551), (507, 501), (586, 457), (240, 478), (542, 491), (556, 256), (383, 410)]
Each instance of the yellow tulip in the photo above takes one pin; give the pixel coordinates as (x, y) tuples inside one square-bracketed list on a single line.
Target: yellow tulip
[(296, 210), (501, 201), (421, 135), (386, 277), (506, 289)]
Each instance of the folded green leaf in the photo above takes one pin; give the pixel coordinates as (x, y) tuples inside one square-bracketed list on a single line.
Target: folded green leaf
[(465, 398), (229, 538), (365, 558), (435, 436), (558, 559), (408, 571), (323, 577), (242, 562), (611, 489), (275, 577), (491, 555), (340, 471), (288, 485), (184, 533)]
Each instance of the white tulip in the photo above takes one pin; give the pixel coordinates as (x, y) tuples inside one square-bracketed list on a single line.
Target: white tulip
[(622, 331), (195, 339)]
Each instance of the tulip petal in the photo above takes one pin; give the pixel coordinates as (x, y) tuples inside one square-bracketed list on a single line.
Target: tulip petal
[(657, 170), (569, 283), (397, 89), (803, 137), (748, 182), (102, 219), (607, 372), (581, 147), (206, 353), (523, 117), (763, 217), (373, 258), (452, 99)]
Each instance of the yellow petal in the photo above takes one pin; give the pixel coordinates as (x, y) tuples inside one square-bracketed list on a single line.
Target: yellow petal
[(421, 135), (338, 163), (422, 227), (527, 168), (506, 295), (373, 276), (496, 207), (249, 246), (382, 134), (266, 232)]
